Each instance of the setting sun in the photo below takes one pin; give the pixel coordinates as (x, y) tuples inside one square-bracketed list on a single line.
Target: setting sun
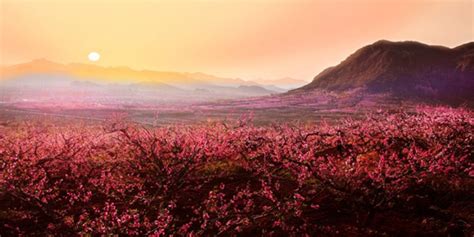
[(94, 56)]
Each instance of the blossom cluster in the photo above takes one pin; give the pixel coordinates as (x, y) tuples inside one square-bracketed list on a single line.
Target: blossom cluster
[(387, 174)]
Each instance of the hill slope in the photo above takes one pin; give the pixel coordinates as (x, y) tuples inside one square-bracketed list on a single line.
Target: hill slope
[(408, 69)]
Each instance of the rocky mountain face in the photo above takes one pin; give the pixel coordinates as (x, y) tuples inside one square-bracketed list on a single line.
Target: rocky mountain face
[(407, 69)]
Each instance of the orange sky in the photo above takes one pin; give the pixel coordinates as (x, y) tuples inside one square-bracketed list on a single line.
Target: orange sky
[(235, 38)]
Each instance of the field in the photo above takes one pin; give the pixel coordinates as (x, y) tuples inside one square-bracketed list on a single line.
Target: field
[(380, 174), (297, 107)]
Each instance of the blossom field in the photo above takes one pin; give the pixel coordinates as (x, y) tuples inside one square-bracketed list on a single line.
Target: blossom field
[(388, 174)]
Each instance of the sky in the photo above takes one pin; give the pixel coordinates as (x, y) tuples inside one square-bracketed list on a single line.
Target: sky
[(249, 39)]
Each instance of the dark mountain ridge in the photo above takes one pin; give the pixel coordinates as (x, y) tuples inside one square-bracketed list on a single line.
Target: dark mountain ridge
[(408, 69)]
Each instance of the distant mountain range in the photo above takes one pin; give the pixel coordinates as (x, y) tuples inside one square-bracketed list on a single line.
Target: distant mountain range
[(408, 70), (42, 78), (285, 82), (125, 74)]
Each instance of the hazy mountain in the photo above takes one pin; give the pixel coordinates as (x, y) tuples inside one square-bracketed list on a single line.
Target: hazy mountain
[(45, 81), (284, 83), (408, 69), (119, 74), (254, 90)]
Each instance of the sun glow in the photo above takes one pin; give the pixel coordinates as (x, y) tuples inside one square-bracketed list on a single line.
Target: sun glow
[(94, 56)]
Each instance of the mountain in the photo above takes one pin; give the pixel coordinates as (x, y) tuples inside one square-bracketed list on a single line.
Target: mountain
[(42, 83), (284, 83), (36, 66), (41, 80), (408, 69), (114, 74), (221, 81), (183, 80), (254, 90)]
